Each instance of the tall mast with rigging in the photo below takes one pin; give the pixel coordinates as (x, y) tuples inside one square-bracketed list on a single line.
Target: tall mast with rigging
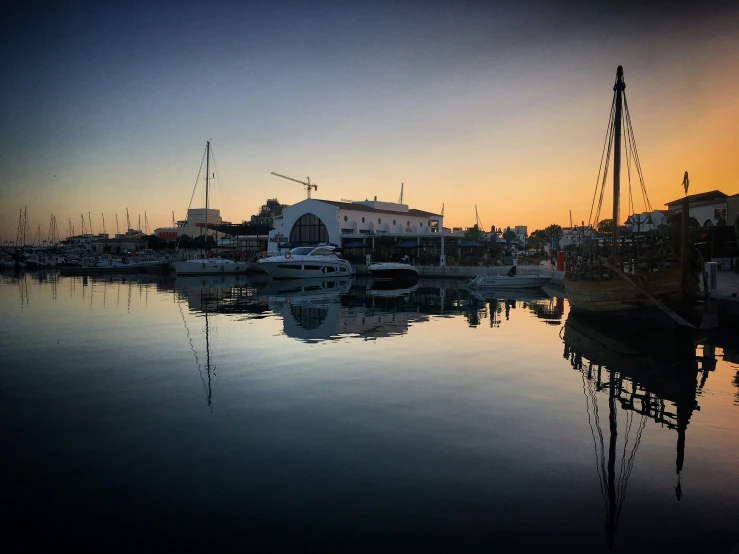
[(619, 88)]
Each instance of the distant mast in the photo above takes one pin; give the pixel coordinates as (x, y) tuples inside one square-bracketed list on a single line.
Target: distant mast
[(619, 88)]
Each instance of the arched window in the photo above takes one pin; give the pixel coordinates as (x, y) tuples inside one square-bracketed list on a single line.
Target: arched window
[(346, 218), (379, 220), (362, 220), (309, 229), (708, 224)]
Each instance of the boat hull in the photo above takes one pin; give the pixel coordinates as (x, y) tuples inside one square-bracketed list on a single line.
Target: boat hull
[(395, 271), (503, 282), (114, 269), (305, 269), (208, 267), (618, 296)]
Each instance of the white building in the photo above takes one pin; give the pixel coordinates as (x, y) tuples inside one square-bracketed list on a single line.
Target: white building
[(573, 236), (648, 221), (709, 208), (313, 221), (193, 226)]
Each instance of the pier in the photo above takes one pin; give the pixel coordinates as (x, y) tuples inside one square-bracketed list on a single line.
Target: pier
[(726, 296)]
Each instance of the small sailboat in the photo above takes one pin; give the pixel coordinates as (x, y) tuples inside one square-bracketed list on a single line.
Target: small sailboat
[(204, 264)]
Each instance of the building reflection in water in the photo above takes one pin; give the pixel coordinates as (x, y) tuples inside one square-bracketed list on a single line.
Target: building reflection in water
[(315, 310), (649, 374)]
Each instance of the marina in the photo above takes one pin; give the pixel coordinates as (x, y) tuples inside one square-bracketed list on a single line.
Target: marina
[(330, 277), (210, 395)]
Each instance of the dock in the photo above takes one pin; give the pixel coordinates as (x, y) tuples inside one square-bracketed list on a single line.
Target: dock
[(726, 296)]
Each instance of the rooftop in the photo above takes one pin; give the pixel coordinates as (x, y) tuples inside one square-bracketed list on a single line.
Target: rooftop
[(712, 195), (364, 208)]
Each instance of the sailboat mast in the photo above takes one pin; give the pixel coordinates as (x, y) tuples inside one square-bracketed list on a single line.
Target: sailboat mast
[(207, 176), (619, 88)]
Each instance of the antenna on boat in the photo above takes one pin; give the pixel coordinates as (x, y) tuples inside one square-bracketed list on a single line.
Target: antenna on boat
[(307, 183)]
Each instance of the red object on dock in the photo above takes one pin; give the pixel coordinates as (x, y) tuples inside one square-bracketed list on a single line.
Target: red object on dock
[(560, 261)]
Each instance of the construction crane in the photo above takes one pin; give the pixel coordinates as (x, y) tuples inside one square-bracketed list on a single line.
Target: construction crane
[(307, 183)]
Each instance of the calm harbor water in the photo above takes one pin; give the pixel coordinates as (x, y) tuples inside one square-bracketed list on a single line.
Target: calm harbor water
[(196, 414)]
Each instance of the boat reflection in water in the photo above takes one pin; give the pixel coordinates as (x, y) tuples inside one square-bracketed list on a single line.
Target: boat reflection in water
[(316, 310), (647, 374)]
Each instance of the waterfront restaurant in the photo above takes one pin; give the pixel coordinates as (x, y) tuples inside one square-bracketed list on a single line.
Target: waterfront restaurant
[(360, 228)]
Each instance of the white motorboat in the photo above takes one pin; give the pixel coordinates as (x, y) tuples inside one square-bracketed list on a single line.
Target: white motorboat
[(305, 262), (506, 282), (393, 270), (209, 266)]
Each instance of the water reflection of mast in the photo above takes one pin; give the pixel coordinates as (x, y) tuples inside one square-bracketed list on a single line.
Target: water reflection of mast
[(207, 381), (645, 370), (613, 486)]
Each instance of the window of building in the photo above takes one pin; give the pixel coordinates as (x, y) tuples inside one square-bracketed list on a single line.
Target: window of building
[(393, 222), (379, 220), (309, 229), (434, 225), (362, 220), (408, 223), (346, 218), (422, 224)]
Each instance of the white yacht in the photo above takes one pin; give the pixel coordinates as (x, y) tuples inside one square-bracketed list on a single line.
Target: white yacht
[(306, 261)]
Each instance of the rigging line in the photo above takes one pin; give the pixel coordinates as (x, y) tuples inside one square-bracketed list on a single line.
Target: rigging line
[(197, 179), (603, 153), (624, 473), (592, 431), (632, 143), (603, 183), (192, 347), (622, 465), (628, 172), (224, 198), (605, 173), (630, 462), (596, 414), (636, 155)]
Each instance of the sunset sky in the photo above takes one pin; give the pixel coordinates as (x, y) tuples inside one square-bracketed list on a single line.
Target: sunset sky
[(108, 106)]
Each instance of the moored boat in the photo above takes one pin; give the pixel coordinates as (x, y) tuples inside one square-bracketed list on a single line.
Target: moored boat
[(209, 266), (393, 270), (628, 278), (206, 265), (508, 282), (305, 262)]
